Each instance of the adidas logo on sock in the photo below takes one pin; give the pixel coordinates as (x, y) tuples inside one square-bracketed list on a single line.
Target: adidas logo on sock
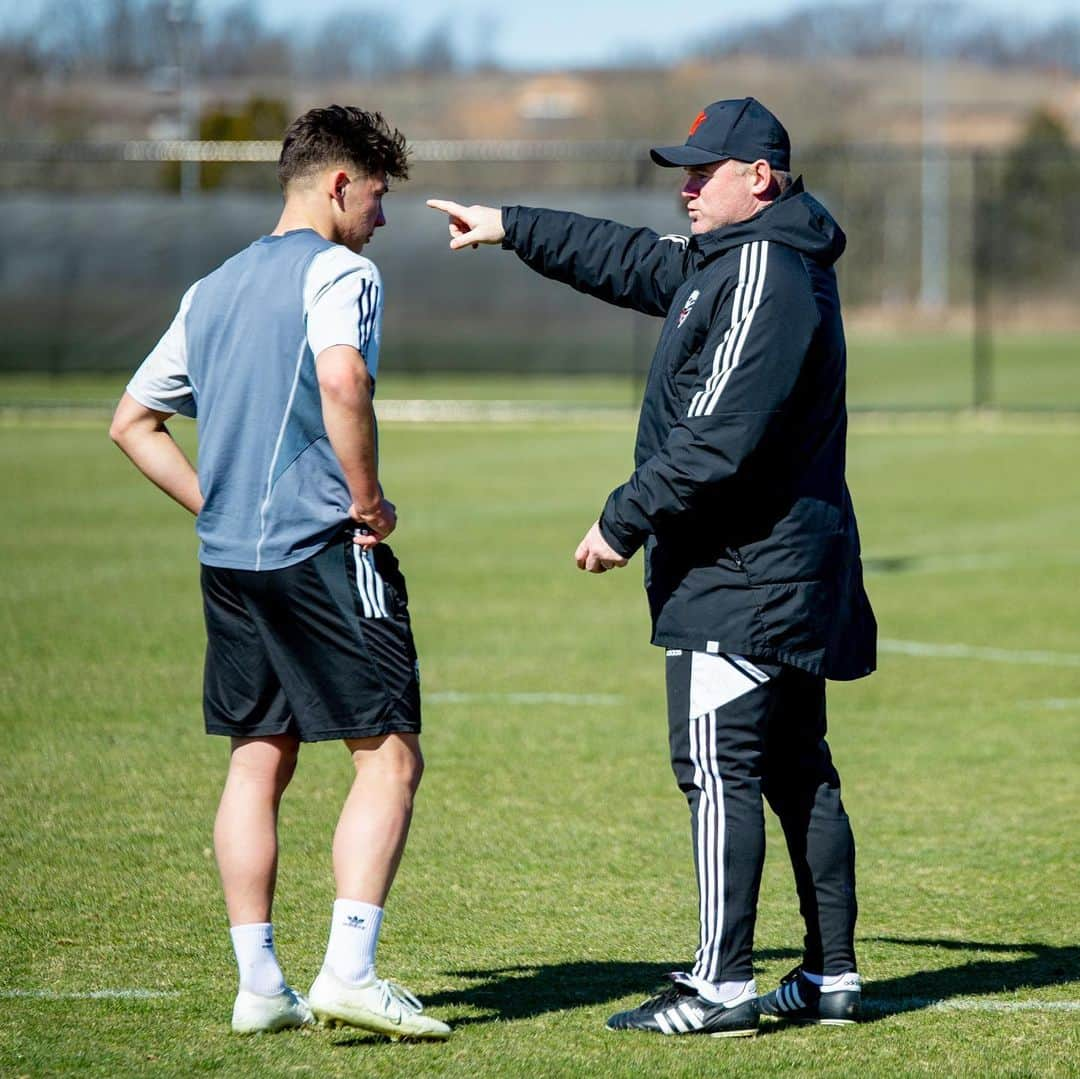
[(354, 921)]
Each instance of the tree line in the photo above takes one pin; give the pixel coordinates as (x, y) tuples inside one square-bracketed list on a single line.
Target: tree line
[(125, 38), (878, 29)]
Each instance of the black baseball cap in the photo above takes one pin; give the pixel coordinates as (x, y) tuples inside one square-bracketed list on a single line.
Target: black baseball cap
[(742, 129)]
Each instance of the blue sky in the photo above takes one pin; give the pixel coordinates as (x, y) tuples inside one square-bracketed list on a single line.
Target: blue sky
[(561, 32)]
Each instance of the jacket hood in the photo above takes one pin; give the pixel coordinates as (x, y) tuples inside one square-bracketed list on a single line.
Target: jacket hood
[(796, 219)]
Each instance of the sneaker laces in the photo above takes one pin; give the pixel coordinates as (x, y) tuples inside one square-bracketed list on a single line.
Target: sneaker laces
[(669, 994), (392, 993)]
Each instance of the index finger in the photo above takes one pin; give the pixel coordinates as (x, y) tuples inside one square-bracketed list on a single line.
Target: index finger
[(454, 209)]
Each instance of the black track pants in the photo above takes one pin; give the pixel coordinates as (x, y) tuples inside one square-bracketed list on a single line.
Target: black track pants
[(738, 730)]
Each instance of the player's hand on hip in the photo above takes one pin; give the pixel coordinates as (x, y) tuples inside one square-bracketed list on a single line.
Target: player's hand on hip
[(378, 521), (595, 555), (471, 225)]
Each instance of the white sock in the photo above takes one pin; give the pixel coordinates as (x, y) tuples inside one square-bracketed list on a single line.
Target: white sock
[(354, 936), (729, 993), (835, 983), (256, 959)]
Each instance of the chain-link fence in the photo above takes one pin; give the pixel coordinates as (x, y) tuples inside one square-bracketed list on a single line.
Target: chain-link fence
[(959, 281)]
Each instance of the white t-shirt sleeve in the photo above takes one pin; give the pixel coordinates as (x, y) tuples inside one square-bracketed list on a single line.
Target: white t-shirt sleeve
[(162, 381), (343, 303)]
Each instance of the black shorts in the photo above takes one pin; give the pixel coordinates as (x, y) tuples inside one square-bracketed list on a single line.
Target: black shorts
[(320, 650)]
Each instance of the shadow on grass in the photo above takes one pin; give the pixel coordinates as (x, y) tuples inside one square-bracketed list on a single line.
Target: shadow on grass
[(1032, 966), (527, 991), (524, 992)]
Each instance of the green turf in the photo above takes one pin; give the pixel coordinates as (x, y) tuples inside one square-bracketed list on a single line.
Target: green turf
[(919, 371), (548, 878), (937, 371)]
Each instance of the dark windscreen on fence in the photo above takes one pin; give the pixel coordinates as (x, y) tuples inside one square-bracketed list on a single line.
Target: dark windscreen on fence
[(959, 281)]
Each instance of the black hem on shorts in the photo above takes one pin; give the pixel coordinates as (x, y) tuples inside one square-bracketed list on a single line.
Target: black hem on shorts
[(327, 736)]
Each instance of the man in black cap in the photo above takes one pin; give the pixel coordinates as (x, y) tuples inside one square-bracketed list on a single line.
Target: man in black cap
[(753, 571)]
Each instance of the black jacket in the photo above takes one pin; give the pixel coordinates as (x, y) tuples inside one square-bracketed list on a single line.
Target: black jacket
[(738, 493)]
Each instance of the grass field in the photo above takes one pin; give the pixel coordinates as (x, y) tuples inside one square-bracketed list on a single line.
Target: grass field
[(548, 880), (920, 371)]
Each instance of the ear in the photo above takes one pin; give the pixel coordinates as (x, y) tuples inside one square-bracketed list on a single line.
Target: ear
[(337, 181), (761, 178)]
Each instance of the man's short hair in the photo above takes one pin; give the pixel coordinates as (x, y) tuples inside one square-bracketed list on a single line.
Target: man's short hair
[(342, 135), (782, 180)]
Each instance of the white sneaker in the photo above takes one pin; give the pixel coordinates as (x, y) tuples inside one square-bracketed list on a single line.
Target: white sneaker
[(378, 1005), (254, 1013)]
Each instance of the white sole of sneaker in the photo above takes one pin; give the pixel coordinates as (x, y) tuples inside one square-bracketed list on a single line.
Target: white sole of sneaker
[(811, 1022), (377, 1025)]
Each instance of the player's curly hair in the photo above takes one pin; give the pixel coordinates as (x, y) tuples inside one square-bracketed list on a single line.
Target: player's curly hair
[(342, 135)]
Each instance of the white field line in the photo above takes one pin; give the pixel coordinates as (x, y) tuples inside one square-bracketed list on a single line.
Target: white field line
[(454, 697), (88, 994), (398, 410), (1055, 704), (435, 411), (970, 651), (422, 410), (887, 1006)]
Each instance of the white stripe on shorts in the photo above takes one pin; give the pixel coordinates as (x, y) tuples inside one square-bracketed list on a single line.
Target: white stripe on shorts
[(370, 585)]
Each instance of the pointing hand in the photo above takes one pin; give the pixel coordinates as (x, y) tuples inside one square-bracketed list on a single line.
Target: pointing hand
[(471, 225)]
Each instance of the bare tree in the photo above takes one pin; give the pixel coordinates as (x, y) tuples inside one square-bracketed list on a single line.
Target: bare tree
[(239, 44), (355, 44), (68, 37), (118, 38), (435, 52)]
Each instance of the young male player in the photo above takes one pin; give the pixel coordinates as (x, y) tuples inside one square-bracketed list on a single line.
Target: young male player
[(275, 355)]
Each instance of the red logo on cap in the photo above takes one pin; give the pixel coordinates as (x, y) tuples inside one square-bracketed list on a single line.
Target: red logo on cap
[(698, 121)]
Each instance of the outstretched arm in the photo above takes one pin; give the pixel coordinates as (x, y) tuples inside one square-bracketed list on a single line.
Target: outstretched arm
[(141, 433), (735, 412), (629, 267)]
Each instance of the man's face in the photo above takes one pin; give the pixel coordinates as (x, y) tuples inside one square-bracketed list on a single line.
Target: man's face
[(719, 194), (360, 198)]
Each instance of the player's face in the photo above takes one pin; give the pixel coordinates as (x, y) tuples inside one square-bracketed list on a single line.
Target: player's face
[(717, 195), (362, 213)]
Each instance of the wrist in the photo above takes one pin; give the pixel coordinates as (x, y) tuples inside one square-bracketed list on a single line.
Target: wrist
[(367, 504), (617, 544)]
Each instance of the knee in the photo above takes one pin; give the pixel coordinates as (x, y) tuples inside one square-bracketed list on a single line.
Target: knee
[(410, 769), (396, 762), (268, 763)]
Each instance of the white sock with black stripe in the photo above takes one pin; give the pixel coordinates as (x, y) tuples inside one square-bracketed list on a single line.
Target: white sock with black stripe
[(727, 993)]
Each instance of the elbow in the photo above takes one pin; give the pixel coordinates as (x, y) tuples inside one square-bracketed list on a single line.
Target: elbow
[(125, 427), (346, 382), (119, 431)]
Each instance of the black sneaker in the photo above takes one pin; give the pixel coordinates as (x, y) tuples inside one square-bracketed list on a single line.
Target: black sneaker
[(797, 1000), (680, 1009)]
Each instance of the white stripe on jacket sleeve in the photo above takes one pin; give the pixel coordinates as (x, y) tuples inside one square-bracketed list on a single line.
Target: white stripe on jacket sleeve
[(753, 262)]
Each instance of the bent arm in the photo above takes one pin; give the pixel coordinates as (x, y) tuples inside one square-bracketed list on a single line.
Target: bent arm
[(345, 390), (628, 267), (142, 434), (747, 373)]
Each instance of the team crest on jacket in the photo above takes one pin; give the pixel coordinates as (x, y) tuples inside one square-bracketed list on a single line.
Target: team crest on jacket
[(688, 307)]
